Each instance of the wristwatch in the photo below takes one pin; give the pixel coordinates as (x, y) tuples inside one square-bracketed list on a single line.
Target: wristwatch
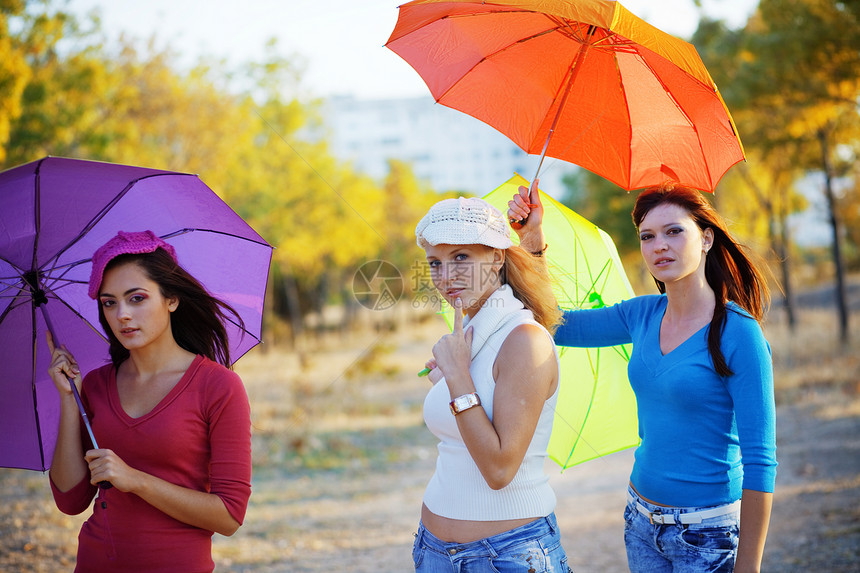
[(464, 402)]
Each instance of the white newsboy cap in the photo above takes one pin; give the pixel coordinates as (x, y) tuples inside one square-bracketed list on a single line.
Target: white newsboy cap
[(463, 221)]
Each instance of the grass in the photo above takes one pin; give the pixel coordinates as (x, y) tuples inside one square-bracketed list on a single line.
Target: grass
[(811, 356)]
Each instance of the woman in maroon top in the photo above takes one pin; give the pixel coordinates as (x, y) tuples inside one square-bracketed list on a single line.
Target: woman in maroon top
[(171, 418)]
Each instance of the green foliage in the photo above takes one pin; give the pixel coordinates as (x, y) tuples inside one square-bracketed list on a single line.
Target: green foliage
[(14, 72), (250, 134), (850, 213), (793, 72), (405, 201), (791, 77), (606, 205)]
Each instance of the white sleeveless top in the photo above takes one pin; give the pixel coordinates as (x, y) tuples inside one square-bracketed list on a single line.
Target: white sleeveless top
[(457, 489)]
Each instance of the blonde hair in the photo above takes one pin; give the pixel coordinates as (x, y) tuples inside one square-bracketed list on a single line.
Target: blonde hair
[(529, 279)]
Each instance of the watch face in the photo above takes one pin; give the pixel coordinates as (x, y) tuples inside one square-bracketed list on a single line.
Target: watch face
[(464, 402)]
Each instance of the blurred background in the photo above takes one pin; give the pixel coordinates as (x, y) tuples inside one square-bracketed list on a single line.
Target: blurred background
[(330, 146)]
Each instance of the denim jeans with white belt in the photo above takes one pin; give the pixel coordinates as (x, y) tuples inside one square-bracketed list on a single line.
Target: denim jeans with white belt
[(680, 539), (535, 546)]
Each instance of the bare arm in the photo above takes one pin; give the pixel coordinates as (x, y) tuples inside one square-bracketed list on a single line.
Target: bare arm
[(526, 373), (68, 466), (755, 517)]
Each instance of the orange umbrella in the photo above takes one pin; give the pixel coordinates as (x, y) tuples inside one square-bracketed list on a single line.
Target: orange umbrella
[(584, 81)]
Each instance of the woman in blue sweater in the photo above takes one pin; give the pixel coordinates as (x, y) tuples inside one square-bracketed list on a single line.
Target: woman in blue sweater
[(701, 488)]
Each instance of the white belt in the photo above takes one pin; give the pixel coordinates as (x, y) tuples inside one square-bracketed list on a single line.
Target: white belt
[(685, 518)]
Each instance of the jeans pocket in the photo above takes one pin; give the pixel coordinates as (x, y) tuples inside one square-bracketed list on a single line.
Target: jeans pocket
[(417, 551), (558, 563), (628, 512), (711, 538), (528, 556)]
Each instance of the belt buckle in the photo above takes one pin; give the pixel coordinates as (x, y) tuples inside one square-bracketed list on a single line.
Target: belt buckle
[(661, 518)]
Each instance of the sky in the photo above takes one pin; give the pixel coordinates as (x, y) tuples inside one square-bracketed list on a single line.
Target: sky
[(342, 41)]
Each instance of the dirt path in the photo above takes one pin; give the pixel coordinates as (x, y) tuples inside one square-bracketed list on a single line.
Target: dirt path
[(359, 515), (362, 520)]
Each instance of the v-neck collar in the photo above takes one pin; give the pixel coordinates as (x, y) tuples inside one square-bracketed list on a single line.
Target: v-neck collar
[(690, 345), (116, 403)]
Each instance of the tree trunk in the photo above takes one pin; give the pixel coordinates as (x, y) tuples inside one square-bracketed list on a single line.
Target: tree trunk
[(842, 307), (778, 241), (785, 265), (294, 309)]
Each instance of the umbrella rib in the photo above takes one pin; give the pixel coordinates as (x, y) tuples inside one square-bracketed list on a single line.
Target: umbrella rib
[(37, 211), (581, 428), (594, 279), (110, 205), (53, 281), (12, 283), (243, 329), (611, 42), (13, 306), (60, 300), (628, 179), (232, 235), (187, 230), (683, 112), (497, 52), (572, 73), (33, 386)]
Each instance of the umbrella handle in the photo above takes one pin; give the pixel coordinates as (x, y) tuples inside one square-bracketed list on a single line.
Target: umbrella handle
[(86, 419), (517, 225), (83, 412)]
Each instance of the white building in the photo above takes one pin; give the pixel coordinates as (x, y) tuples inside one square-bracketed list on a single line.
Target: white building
[(447, 148)]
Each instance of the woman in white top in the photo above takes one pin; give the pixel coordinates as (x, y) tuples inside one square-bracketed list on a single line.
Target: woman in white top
[(489, 506)]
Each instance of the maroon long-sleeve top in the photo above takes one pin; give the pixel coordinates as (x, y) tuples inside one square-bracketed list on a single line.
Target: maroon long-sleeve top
[(198, 436)]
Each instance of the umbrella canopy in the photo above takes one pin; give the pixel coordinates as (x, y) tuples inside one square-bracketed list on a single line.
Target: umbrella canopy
[(596, 409), (584, 81), (54, 214)]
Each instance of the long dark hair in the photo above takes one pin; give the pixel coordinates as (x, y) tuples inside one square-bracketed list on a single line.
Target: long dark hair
[(729, 269), (197, 323)]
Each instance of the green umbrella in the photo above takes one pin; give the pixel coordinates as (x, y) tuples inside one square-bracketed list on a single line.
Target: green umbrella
[(596, 410)]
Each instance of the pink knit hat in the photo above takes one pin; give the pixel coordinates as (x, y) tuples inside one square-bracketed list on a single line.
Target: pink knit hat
[(124, 244)]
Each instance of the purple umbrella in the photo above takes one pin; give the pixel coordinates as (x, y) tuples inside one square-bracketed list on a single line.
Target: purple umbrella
[(54, 214)]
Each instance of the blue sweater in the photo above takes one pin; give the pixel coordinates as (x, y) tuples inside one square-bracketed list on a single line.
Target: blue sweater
[(704, 437)]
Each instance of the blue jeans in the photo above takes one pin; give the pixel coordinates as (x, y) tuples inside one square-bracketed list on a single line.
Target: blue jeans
[(535, 546), (709, 546)]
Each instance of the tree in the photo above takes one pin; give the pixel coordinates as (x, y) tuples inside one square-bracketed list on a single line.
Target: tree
[(609, 207), (14, 72), (765, 177), (405, 201), (806, 59), (794, 81), (59, 83), (250, 133), (769, 184)]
